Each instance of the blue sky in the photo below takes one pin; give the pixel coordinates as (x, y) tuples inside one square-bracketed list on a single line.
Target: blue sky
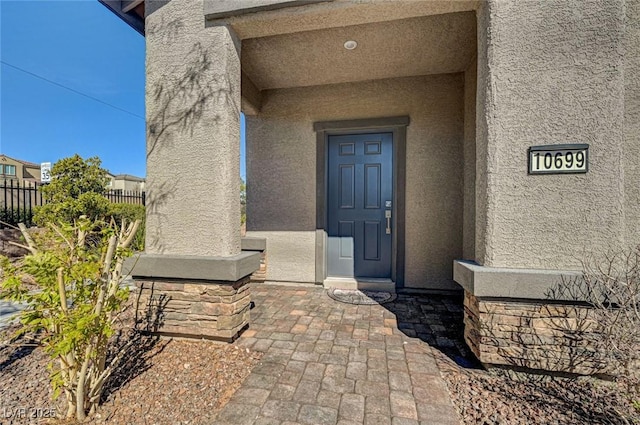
[(79, 44)]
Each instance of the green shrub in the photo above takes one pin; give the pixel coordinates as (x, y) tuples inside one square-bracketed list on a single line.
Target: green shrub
[(73, 176), (15, 216), (90, 204), (77, 188), (130, 213), (78, 270), (243, 202)]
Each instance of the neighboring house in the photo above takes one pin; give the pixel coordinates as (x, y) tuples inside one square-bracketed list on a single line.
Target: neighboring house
[(20, 182), (389, 146), (125, 182), (18, 170)]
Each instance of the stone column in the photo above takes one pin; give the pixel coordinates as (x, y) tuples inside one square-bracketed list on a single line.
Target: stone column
[(193, 273)]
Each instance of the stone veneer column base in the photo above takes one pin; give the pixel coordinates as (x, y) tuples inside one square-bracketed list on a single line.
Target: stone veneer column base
[(191, 296), (260, 276), (193, 308), (540, 335), (259, 246)]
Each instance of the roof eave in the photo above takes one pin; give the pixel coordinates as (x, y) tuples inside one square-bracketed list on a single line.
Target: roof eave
[(129, 17)]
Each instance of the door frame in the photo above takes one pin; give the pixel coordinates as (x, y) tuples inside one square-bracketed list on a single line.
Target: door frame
[(398, 127)]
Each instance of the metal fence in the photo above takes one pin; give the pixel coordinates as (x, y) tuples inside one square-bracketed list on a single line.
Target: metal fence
[(18, 200), (126, 197)]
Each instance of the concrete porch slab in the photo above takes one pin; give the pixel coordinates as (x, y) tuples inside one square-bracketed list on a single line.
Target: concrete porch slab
[(354, 283)]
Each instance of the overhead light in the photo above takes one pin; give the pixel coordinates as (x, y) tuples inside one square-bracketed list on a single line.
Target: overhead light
[(350, 44)]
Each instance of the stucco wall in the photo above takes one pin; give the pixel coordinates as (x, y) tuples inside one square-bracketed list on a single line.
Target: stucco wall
[(290, 255), (281, 170), (549, 72), (193, 124), (632, 122), (469, 210)]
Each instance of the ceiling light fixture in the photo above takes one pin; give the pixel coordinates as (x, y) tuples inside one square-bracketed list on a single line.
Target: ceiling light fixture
[(350, 44)]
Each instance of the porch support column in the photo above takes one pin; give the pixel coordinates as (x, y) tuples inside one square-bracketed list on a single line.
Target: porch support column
[(193, 258), (549, 73)]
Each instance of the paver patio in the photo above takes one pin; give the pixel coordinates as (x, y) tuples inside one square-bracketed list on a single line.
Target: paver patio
[(327, 362)]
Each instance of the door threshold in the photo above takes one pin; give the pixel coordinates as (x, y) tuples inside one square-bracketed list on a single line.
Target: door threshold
[(370, 284)]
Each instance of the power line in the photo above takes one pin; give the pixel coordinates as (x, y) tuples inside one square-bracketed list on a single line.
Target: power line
[(72, 90)]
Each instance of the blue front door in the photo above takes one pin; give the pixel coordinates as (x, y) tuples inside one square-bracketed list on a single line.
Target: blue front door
[(359, 205)]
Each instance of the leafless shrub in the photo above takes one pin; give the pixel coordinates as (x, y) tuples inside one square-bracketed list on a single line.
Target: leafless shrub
[(610, 286)]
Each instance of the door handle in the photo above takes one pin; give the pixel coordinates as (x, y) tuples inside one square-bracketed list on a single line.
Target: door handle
[(387, 215)]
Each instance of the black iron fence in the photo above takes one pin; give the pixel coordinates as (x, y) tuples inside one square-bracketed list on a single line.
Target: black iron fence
[(126, 196), (18, 200)]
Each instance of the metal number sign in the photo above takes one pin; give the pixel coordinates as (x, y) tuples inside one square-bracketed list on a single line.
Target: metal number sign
[(559, 159)]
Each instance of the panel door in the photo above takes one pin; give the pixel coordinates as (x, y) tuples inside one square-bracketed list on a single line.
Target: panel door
[(359, 199)]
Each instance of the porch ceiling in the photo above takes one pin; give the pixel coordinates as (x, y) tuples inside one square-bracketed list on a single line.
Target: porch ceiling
[(436, 44)]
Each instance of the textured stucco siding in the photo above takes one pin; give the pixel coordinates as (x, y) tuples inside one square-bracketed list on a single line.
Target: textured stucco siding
[(427, 45), (483, 96), (290, 255), (193, 133), (549, 72), (632, 122), (469, 210), (281, 170), (335, 14)]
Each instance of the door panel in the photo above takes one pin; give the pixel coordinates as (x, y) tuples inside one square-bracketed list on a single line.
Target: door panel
[(347, 186), (346, 239), (372, 187), (372, 232), (360, 181)]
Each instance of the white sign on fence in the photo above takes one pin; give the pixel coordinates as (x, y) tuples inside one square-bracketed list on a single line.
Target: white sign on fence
[(45, 172)]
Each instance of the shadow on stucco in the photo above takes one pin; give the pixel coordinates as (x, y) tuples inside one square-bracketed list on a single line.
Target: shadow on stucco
[(180, 100), (181, 97)]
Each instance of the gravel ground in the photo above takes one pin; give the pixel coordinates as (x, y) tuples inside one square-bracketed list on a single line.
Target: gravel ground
[(188, 382), (161, 382), (500, 396), (25, 393)]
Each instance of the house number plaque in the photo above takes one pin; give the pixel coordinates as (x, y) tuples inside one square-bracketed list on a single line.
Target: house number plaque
[(559, 159)]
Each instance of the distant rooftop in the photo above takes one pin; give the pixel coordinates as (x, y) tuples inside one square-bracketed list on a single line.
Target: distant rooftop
[(27, 163), (127, 177)]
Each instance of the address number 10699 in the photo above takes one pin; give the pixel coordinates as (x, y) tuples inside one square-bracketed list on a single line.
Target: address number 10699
[(559, 159)]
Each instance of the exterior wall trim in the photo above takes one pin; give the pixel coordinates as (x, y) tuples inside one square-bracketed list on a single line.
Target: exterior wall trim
[(253, 244), (222, 269), (362, 124), (218, 9), (398, 127), (134, 21), (494, 282)]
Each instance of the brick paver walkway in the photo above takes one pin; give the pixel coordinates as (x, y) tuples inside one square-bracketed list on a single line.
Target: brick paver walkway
[(327, 362)]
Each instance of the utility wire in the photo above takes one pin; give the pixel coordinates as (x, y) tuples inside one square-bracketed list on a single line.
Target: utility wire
[(72, 90)]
